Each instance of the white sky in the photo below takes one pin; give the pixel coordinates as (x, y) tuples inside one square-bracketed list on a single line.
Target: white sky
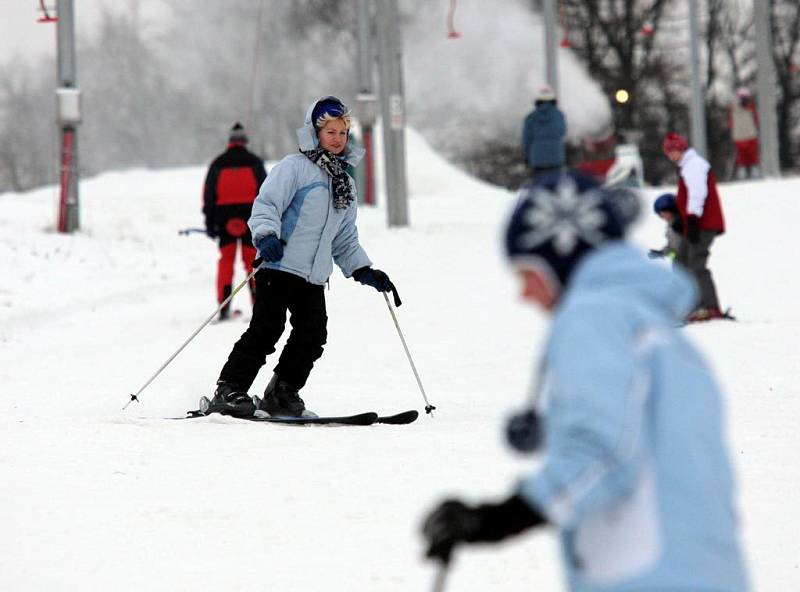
[(21, 36)]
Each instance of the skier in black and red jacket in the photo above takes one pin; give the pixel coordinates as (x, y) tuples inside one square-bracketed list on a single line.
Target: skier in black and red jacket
[(231, 186)]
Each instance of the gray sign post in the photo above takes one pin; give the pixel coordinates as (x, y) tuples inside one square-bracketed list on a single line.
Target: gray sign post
[(390, 61), (68, 97), (765, 80), (550, 45), (697, 103)]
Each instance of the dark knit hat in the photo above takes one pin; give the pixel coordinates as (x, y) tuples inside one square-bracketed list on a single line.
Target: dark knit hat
[(562, 217), (237, 134), (328, 106), (665, 203)]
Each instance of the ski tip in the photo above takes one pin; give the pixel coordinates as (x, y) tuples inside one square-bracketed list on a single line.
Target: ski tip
[(404, 417)]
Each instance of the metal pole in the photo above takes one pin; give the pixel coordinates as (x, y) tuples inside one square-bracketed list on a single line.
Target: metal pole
[(390, 59), (698, 112), (765, 80), (365, 62), (69, 220), (135, 397), (364, 47), (550, 43)]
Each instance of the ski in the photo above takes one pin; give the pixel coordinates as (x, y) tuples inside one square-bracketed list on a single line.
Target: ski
[(726, 316), (359, 419), (402, 418)]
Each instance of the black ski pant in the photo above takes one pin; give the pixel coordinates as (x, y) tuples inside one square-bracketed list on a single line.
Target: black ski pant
[(694, 258), (276, 293)]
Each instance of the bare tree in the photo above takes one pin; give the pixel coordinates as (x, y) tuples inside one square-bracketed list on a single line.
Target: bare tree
[(27, 126), (785, 18), (617, 40)]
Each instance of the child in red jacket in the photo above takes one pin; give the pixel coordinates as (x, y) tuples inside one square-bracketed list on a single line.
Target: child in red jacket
[(701, 212)]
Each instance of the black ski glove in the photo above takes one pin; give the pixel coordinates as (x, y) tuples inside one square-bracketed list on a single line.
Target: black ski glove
[(693, 228), (211, 232), (454, 522), (270, 248), (378, 280)]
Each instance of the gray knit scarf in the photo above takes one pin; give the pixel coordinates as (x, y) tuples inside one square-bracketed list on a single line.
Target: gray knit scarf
[(334, 166)]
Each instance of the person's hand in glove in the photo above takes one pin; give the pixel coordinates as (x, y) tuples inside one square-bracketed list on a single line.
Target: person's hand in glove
[(454, 522), (211, 232), (373, 277), (693, 228), (270, 248)]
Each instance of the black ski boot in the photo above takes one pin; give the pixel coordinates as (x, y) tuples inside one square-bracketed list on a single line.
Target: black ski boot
[(282, 400), (231, 400)]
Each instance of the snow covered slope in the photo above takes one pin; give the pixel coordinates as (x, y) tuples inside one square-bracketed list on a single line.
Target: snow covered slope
[(98, 499)]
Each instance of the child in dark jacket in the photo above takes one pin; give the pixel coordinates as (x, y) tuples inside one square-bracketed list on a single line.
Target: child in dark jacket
[(666, 208)]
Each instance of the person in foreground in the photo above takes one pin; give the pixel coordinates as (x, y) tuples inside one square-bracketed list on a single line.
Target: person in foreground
[(303, 220), (635, 473)]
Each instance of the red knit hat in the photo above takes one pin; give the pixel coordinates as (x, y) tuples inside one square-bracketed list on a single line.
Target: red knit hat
[(674, 142)]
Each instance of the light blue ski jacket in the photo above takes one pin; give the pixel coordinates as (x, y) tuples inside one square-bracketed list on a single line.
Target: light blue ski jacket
[(634, 472), (295, 204)]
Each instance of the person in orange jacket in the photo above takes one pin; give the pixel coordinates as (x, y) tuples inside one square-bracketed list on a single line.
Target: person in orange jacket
[(231, 186)]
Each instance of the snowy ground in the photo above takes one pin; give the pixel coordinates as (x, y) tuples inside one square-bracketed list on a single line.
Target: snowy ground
[(95, 498)]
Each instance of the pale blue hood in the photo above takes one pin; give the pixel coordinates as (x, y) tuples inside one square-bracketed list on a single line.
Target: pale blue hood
[(307, 136)]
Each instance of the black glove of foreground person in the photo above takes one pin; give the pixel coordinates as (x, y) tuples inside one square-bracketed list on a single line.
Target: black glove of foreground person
[(454, 522)]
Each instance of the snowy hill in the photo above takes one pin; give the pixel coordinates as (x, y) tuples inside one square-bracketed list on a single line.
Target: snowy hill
[(99, 499)]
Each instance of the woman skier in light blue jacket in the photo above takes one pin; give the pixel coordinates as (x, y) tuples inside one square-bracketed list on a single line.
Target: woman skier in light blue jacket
[(635, 473), (303, 220)]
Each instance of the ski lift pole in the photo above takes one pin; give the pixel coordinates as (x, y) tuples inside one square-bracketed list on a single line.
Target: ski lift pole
[(428, 407), (135, 397)]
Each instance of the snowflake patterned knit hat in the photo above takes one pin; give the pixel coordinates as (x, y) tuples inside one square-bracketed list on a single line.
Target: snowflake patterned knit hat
[(560, 218)]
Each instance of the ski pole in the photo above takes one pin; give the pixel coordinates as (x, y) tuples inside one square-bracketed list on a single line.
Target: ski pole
[(428, 407), (441, 577), (188, 231), (135, 397)]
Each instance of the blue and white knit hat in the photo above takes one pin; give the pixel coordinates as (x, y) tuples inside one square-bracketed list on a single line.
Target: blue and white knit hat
[(562, 217), (328, 106)]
